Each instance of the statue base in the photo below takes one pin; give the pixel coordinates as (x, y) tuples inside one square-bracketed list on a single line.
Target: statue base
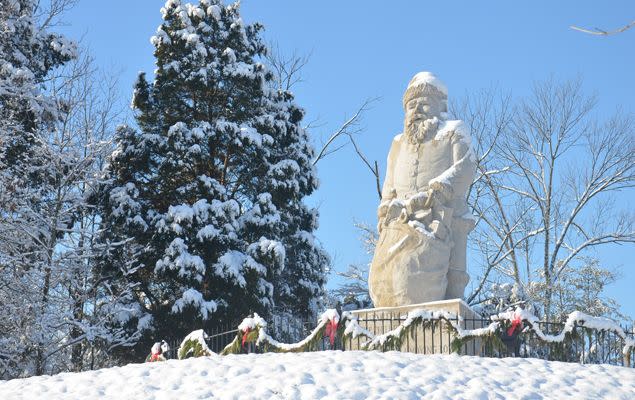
[(436, 339)]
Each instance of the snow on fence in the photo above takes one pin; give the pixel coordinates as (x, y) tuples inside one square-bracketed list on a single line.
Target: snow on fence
[(582, 338), (283, 326), (216, 339), (582, 344)]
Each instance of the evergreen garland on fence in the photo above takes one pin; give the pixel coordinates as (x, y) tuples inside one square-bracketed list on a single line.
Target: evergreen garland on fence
[(253, 330), (346, 326), (490, 339), (194, 345), (311, 343), (393, 340), (234, 347), (192, 348)]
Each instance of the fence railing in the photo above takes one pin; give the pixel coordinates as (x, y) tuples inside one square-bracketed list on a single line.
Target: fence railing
[(583, 346), (217, 339)]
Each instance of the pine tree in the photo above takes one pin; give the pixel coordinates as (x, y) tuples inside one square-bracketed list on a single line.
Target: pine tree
[(206, 199), (290, 177)]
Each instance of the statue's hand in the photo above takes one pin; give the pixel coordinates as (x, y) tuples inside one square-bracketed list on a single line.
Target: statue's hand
[(437, 186), (382, 209), (418, 202), (394, 211), (440, 191)]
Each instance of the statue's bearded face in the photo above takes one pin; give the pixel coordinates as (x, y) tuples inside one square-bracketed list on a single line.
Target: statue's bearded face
[(423, 115)]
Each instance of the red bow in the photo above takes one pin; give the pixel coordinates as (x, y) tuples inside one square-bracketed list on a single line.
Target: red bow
[(155, 357), (515, 324), (331, 331), (245, 333)]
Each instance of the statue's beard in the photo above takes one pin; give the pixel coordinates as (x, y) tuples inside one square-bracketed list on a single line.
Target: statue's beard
[(419, 131)]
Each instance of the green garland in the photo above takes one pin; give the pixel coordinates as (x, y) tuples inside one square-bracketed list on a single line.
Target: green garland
[(268, 344), (192, 348), (348, 328), (393, 342), (233, 348), (310, 344), (160, 358), (490, 340), (236, 345)]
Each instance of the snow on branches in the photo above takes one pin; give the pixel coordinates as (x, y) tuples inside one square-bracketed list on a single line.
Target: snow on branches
[(210, 191)]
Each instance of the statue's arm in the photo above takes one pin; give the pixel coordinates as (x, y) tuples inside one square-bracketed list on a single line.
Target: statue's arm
[(461, 171), (388, 191), (464, 158)]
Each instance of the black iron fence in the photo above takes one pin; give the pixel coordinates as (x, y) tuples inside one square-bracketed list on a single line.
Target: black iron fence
[(217, 339), (432, 338), (582, 346)]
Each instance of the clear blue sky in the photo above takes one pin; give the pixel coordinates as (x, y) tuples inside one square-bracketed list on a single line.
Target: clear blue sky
[(363, 49)]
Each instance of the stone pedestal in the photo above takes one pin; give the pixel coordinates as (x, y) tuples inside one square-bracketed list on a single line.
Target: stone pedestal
[(436, 339)]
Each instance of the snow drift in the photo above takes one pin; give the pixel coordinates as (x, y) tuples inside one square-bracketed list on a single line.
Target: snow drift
[(334, 375)]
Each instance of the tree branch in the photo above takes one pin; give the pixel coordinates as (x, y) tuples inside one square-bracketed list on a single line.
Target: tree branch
[(344, 129), (601, 32)]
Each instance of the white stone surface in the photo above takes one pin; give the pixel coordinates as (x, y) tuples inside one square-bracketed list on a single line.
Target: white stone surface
[(423, 215)]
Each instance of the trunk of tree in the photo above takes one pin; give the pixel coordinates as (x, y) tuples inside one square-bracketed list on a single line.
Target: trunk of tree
[(39, 358), (77, 360)]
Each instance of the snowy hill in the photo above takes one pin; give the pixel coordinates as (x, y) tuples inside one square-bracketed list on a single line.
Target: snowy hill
[(334, 375)]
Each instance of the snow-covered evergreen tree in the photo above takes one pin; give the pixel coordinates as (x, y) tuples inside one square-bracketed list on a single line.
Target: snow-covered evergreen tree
[(287, 175), (206, 200)]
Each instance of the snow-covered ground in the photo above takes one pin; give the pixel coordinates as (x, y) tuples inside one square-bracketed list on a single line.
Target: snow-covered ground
[(334, 375)]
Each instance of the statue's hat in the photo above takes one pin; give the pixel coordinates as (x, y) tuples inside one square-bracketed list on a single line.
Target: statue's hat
[(424, 83)]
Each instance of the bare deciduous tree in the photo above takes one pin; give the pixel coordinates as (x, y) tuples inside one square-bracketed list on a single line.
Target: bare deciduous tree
[(581, 289), (48, 13), (92, 107), (287, 73), (351, 128), (488, 117), (54, 306), (287, 70), (547, 179), (354, 288)]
